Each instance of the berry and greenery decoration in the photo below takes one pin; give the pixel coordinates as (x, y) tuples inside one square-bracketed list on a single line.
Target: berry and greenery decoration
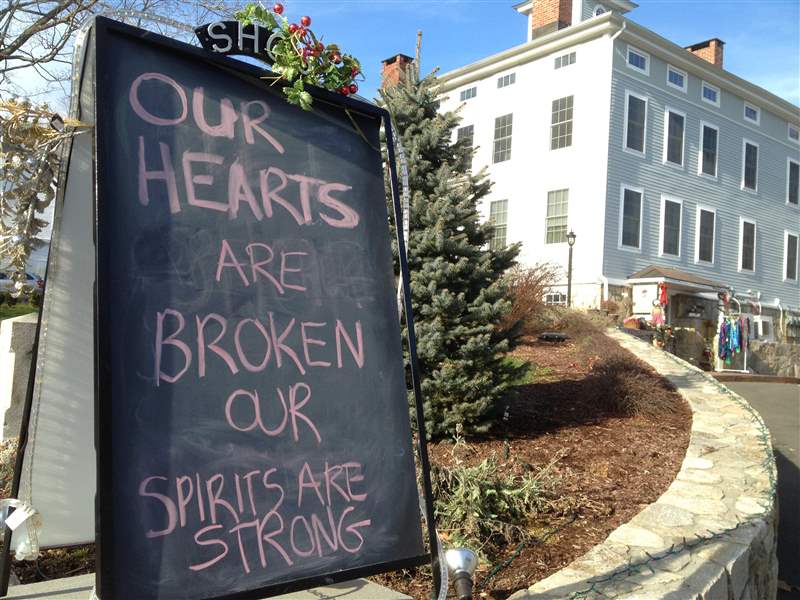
[(301, 58)]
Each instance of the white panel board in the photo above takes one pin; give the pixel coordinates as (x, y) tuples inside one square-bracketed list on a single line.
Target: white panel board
[(58, 477)]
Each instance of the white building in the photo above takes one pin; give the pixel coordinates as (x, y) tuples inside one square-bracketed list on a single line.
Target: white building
[(668, 168)]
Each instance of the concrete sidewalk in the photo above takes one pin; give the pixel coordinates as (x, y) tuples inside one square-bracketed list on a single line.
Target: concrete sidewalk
[(779, 405), (80, 588)]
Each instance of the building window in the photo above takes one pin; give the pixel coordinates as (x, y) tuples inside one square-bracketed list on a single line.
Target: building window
[(676, 78), (631, 218), (710, 94), (638, 60), (705, 235), (747, 245), (498, 217), (671, 227), (565, 60), (561, 123), (793, 182), (466, 135), (506, 80), (555, 299), (751, 113), (709, 141), (502, 138), (556, 221), (635, 122), (468, 93), (750, 166), (790, 256), (793, 133), (673, 137)]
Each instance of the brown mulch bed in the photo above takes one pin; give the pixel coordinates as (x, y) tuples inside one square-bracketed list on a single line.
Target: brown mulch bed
[(610, 465)]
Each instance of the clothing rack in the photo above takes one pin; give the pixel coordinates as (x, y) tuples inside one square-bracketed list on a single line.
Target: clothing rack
[(746, 346)]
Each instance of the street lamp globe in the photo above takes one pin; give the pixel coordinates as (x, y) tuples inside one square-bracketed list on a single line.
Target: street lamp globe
[(571, 238)]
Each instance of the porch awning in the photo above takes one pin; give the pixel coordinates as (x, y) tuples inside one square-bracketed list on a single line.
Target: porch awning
[(676, 280)]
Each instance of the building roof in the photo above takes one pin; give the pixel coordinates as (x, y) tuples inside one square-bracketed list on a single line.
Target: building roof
[(644, 38), (526, 6), (668, 273), (394, 57)]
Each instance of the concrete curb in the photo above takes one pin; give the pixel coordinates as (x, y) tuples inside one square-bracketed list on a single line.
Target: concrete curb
[(712, 534)]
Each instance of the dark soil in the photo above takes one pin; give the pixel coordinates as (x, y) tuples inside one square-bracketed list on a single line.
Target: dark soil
[(611, 465)]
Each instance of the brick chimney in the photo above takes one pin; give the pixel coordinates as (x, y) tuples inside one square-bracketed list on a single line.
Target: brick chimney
[(549, 16), (710, 51), (394, 68)]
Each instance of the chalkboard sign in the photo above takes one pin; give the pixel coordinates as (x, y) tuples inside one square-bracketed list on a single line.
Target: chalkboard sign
[(253, 428)]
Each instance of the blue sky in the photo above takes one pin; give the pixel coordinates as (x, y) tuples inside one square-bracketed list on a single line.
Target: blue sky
[(762, 36)]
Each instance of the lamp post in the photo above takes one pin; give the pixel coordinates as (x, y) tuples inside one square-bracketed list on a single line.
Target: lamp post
[(571, 241)]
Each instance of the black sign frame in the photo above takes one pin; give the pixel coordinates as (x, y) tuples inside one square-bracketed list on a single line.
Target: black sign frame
[(103, 28)]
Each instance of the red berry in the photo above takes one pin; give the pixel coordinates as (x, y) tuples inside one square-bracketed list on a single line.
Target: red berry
[(301, 32), (354, 72), (336, 57), (305, 21), (345, 90), (278, 8), (320, 47), (293, 27), (353, 88)]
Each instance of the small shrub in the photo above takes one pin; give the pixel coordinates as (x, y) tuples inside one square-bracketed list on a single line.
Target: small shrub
[(627, 388), (527, 288), (483, 505)]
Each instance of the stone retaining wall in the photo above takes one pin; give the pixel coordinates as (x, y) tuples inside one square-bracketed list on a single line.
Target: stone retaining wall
[(713, 534)]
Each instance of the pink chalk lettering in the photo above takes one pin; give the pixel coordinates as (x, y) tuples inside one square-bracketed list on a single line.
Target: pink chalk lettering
[(228, 259), (305, 479), (253, 368), (255, 265), (183, 497), (166, 174), (354, 477), (211, 542), (353, 530), (356, 351), (305, 193), (143, 113), (279, 347), (249, 480), (227, 115), (319, 531), (349, 217), (308, 341), (214, 499), (331, 473), (239, 191), (237, 530), (170, 341), (294, 410), (252, 124), (239, 498), (270, 194), (213, 346), (309, 534), (190, 179), (200, 504), (166, 502), (268, 537), (257, 421), (286, 269)]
